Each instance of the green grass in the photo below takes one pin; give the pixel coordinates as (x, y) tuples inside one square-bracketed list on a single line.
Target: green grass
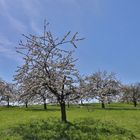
[(115, 119), (81, 129)]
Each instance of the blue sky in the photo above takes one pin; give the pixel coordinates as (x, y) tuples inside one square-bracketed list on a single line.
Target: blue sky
[(111, 29)]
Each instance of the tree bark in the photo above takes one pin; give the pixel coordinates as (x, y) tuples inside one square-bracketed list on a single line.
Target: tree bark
[(45, 105), (82, 102), (26, 104), (63, 112), (8, 104), (108, 102), (135, 103), (62, 103), (103, 105)]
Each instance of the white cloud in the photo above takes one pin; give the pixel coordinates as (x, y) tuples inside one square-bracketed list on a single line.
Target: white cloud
[(7, 49), (35, 28), (69, 1), (94, 4), (14, 22), (31, 7), (18, 25)]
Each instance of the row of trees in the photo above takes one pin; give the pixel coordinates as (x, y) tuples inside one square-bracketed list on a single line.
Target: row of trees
[(104, 87), (48, 74), (100, 86)]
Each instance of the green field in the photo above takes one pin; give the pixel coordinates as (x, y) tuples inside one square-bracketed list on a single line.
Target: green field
[(119, 117)]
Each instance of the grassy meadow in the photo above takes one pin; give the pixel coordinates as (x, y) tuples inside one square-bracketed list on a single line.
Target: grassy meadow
[(116, 122)]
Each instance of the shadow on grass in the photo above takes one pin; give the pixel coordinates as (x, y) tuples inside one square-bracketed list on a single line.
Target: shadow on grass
[(92, 108), (115, 108), (81, 129), (118, 108), (88, 108), (41, 109)]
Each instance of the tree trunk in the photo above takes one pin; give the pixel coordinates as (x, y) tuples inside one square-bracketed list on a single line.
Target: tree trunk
[(63, 112), (45, 105), (108, 102), (103, 105), (82, 102), (26, 104), (135, 103), (8, 104)]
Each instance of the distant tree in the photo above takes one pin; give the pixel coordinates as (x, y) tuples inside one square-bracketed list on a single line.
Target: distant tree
[(25, 93), (103, 86), (2, 88), (131, 93), (47, 61), (125, 94), (83, 89), (24, 98), (6, 92), (30, 91)]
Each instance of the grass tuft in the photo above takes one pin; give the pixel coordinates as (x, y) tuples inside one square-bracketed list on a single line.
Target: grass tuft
[(80, 129)]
